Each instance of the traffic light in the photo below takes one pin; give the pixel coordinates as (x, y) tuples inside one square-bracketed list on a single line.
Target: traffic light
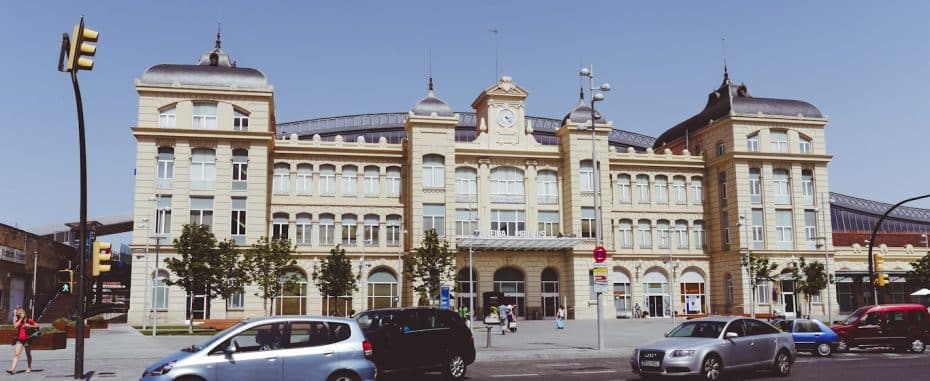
[(882, 280), (100, 254), (65, 281), (80, 48), (877, 260)]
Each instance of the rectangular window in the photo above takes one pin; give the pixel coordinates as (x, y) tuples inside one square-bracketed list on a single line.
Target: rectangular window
[(678, 183), (327, 181), (806, 146), (699, 240), (372, 182), (626, 234), (466, 222), (304, 180), (372, 231), (783, 229), (782, 186), (725, 222), (642, 187), (349, 230), (240, 172), (722, 188), (752, 143), (282, 179), (721, 149), (393, 231), (434, 217), (586, 173), (549, 224), (588, 220), (547, 188), (433, 168), (807, 185), (166, 118), (202, 211), (810, 229), (327, 230), (163, 217), (681, 229), (237, 301), (779, 141), (203, 169), (763, 292), (240, 121), (697, 190), (161, 291), (304, 224), (758, 229), (204, 116), (237, 221), (755, 186), (645, 235), (165, 168), (393, 181), (508, 222)]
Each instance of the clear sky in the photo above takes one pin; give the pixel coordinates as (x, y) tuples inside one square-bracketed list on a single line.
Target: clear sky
[(864, 64)]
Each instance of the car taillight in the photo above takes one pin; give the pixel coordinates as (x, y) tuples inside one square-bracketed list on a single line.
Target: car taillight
[(366, 349)]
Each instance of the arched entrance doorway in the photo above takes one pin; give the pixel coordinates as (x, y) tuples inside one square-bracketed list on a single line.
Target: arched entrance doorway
[(693, 297), (293, 298), (467, 289), (622, 293), (510, 282), (550, 292), (382, 289), (655, 288)]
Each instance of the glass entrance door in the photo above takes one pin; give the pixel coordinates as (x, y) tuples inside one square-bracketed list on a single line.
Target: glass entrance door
[(656, 306), (788, 298)]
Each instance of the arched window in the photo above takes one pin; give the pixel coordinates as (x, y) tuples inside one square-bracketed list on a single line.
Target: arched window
[(349, 180), (547, 187), (327, 229), (165, 167), (327, 179), (372, 182), (661, 189), (293, 294), (664, 234), (693, 297), (304, 225), (466, 188), (304, 179), (204, 116), (642, 188), (782, 186), (681, 231), (240, 169), (755, 185), (167, 117), (393, 230), (510, 282), (550, 292), (586, 173), (622, 292), (645, 234), (467, 288), (697, 190), (656, 290), (623, 188), (279, 226), (240, 120), (507, 185), (752, 142), (807, 185), (203, 168), (282, 178), (626, 233), (434, 171), (161, 290), (349, 229), (393, 181), (382, 289), (372, 230)]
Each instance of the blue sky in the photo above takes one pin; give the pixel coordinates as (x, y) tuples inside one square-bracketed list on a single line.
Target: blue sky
[(864, 65)]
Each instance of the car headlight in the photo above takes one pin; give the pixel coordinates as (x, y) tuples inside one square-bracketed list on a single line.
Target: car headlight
[(683, 353), (163, 369)]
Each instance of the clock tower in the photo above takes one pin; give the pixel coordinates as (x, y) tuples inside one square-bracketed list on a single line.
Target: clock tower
[(500, 115)]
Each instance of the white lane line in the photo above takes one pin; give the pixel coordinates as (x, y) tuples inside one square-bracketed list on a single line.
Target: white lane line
[(595, 371), (515, 375)]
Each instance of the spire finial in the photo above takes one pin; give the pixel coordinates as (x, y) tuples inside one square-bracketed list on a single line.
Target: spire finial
[(429, 67), (726, 74), (219, 29), (581, 93)]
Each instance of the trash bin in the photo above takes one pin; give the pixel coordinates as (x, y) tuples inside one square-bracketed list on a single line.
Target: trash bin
[(536, 315)]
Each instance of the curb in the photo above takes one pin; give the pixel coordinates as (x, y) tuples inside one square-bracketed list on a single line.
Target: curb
[(551, 354)]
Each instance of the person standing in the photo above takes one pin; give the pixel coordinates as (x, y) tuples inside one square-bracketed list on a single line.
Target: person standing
[(560, 318), (502, 313), (22, 341)]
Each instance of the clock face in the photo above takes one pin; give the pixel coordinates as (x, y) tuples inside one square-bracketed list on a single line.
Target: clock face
[(506, 117)]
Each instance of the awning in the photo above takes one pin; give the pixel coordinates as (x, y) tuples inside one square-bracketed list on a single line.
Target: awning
[(517, 243)]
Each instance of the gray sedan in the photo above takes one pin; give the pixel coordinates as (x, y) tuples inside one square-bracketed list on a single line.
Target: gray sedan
[(708, 346)]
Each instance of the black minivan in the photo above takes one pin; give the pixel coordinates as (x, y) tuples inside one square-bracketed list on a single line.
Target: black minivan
[(419, 338)]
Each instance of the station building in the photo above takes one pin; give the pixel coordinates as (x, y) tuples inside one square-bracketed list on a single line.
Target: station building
[(512, 193)]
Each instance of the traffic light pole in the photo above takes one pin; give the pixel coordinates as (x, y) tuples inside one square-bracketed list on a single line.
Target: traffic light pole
[(872, 275), (82, 260)]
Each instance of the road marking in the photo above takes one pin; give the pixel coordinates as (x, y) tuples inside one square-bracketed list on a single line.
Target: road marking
[(515, 375), (595, 371)]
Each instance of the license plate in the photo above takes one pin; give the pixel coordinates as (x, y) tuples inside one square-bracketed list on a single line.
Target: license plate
[(651, 363)]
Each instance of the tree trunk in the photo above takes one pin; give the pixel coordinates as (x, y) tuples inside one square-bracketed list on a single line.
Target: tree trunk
[(190, 315)]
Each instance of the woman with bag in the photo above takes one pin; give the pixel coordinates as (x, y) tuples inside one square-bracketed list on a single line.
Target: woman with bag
[(22, 339), (560, 318)]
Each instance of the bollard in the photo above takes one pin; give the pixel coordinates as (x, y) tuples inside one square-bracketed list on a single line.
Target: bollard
[(488, 343)]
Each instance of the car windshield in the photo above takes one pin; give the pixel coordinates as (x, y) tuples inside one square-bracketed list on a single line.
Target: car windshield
[(706, 329), (216, 337), (855, 316)]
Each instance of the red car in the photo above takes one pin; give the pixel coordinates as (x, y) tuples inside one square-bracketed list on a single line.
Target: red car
[(900, 326)]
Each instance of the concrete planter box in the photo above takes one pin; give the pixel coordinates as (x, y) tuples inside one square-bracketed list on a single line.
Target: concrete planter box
[(98, 324), (72, 332), (48, 340)]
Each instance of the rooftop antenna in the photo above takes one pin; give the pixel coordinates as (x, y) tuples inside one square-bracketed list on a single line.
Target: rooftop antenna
[(726, 74), (219, 29), (429, 67), (497, 53)]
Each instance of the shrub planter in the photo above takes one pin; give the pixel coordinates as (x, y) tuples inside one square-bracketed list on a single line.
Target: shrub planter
[(72, 332), (50, 341), (98, 324), (60, 324)]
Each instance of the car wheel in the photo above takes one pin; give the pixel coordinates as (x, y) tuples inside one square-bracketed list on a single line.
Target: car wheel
[(455, 367), (842, 346), (917, 346), (343, 375), (711, 368), (782, 365), (823, 350)]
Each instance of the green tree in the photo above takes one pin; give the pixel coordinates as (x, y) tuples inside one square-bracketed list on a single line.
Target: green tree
[(334, 277), (192, 268), (230, 272), (759, 270), (919, 276), (812, 279), (267, 263), (431, 264)]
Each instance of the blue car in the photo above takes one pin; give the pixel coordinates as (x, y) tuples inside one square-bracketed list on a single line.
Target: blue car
[(810, 336)]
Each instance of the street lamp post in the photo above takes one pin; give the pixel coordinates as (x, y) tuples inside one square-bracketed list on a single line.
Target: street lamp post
[(826, 255), (672, 269), (471, 277), (747, 262), (596, 97)]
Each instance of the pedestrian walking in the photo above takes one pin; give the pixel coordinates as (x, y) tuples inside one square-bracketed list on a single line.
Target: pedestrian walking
[(503, 312), (560, 318), (512, 318), (22, 341)]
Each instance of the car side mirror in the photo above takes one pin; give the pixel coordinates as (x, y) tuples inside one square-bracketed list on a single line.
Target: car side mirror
[(231, 348), (730, 335)]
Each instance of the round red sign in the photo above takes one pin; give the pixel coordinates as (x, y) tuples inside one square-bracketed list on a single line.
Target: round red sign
[(600, 254)]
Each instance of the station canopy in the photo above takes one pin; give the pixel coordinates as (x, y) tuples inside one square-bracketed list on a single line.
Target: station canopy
[(518, 243)]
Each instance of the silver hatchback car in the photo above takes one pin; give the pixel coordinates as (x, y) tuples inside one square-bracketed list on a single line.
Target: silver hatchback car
[(274, 348), (708, 346)]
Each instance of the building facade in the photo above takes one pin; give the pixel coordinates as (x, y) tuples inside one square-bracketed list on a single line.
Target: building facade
[(513, 194)]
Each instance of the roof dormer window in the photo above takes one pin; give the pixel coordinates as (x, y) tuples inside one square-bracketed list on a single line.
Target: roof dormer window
[(240, 121)]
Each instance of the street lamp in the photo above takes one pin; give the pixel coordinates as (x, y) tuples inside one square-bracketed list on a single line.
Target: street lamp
[(747, 263), (596, 97), (671, 270), (471, 276), (157, 235), (826, 255)]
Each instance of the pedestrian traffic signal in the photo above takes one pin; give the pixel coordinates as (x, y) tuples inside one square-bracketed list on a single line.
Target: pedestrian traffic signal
[(65, 281), (882, 280), (80, 48), (100, 254)]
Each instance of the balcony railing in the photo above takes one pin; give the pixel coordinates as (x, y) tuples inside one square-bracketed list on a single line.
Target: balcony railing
[(508, 198), (466, 197), (547, 200)]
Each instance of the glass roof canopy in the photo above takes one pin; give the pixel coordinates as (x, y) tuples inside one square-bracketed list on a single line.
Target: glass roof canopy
[(518, 243)]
